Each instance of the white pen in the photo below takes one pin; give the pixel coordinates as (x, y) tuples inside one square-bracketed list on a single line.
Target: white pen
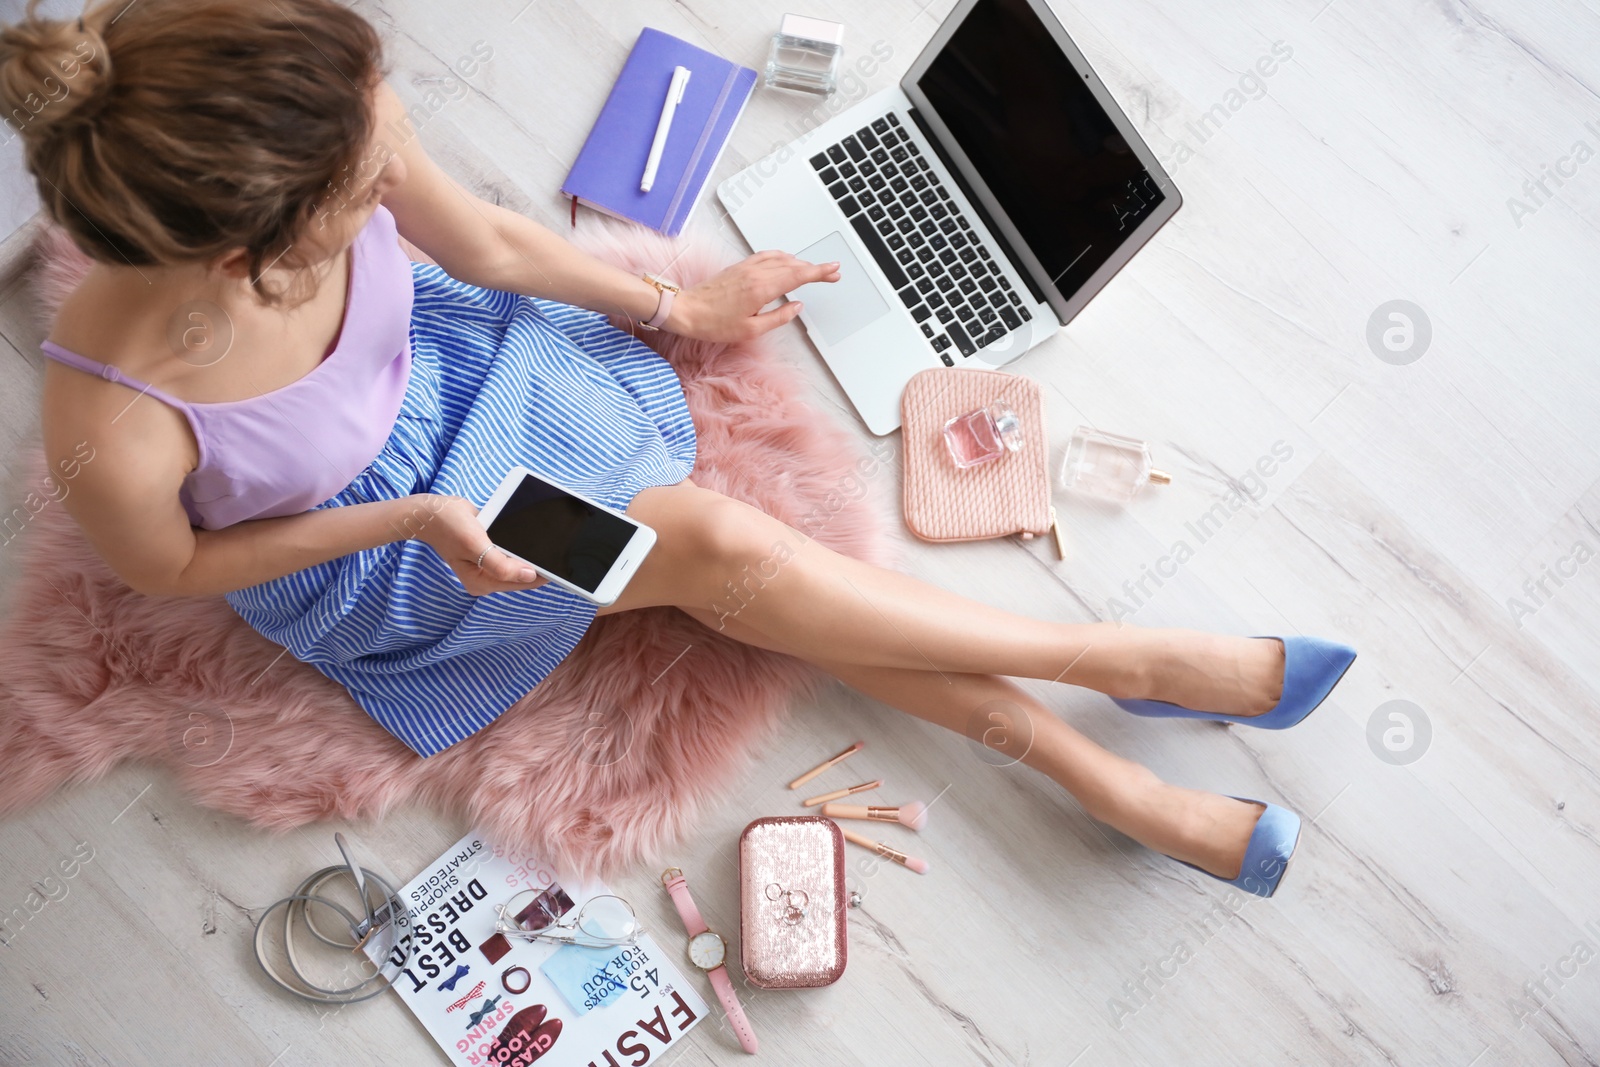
[(680, 81)]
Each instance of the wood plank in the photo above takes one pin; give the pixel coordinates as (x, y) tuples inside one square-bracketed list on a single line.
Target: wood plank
[(1412, 505)]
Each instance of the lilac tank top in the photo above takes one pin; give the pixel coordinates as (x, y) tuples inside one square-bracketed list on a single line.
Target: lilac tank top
[(289, 449)]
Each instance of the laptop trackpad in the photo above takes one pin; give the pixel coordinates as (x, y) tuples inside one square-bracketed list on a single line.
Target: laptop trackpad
[(835, 310)]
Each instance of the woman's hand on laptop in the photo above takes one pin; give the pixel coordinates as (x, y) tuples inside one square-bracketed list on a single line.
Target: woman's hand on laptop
[(728, 306)]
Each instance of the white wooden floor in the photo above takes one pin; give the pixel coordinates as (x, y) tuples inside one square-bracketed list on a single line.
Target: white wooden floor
[(1440, 514)]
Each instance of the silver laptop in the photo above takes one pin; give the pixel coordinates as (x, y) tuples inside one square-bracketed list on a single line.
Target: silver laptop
[(973, 210)]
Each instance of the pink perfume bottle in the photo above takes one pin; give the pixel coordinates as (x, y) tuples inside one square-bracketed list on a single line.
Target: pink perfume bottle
[(1108, 466), (983, 436)]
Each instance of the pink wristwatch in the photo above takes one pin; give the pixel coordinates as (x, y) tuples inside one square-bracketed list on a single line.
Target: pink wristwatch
[(709, 952), (667, 292)]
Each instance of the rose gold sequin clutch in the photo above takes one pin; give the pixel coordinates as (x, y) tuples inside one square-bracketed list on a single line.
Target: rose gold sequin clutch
[(792, 902)]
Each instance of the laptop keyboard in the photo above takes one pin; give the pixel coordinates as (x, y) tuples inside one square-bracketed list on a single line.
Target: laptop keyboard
[(945, 275)]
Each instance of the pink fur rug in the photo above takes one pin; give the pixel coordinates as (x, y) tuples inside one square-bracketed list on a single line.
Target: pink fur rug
[(602, 765)]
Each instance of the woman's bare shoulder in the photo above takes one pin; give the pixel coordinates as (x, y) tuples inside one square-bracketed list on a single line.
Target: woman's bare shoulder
[(83, 411), (105, 317), (116, 457), (79, 410)]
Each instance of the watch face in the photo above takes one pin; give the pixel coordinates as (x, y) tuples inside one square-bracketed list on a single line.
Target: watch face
[(707, 950)]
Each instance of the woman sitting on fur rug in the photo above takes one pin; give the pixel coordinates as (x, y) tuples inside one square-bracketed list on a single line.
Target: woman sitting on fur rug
[(235, 171)]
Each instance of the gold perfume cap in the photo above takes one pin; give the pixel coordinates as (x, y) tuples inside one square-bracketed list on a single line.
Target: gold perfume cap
[(1160, 477)]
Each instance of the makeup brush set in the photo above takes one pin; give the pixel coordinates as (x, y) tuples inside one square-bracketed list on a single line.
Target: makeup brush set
[(913, 816)]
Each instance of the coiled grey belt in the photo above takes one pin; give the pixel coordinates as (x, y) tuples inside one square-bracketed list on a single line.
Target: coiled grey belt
[(389, 913)]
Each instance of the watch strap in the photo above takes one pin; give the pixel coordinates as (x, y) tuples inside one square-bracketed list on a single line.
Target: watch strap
[(678, 890), (730, 1004), (668, 292)]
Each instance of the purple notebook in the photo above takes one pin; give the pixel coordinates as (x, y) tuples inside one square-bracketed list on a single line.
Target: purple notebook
[(607, 173)]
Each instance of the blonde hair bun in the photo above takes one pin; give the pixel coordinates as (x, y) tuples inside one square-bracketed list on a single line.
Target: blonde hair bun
[(53, 73)]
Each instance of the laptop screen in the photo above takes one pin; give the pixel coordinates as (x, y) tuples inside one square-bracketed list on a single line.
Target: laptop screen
[(1037, 135)]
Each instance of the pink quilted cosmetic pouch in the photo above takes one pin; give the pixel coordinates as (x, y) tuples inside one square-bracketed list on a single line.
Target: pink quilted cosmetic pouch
[(1010, 495)]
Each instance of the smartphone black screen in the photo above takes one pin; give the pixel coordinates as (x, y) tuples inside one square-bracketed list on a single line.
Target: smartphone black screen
[(560, 534)]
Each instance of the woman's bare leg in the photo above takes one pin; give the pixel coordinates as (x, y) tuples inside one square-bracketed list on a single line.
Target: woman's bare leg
[(719, 555), (1204, 829)]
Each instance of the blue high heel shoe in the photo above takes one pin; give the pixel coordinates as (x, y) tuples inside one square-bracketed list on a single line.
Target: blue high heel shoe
[(1267, 855), (1311, 668)]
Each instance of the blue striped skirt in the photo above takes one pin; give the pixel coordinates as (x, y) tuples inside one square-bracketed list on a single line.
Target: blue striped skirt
[(496, 380)]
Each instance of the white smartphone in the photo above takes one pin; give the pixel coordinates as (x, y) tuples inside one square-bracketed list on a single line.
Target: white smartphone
[(580, 545)]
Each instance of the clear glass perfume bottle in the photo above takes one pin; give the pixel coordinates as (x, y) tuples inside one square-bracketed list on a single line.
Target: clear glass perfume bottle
[(983, 436), (805, 55), (1108, 466)]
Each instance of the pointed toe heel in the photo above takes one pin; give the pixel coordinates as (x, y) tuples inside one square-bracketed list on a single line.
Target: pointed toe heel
[(1311, 668), (1266, 857)]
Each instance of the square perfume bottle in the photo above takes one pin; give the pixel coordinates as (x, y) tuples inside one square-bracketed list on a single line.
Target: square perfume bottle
[(805, 55), (983, 436), (1108, 466)]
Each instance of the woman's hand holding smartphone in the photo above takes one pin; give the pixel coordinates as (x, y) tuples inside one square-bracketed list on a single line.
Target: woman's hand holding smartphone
[(580, 544), (450, 526)]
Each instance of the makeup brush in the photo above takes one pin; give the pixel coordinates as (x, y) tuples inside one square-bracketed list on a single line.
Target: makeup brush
[(913, 815), (824, 765), (920, 866), (839, 793)]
